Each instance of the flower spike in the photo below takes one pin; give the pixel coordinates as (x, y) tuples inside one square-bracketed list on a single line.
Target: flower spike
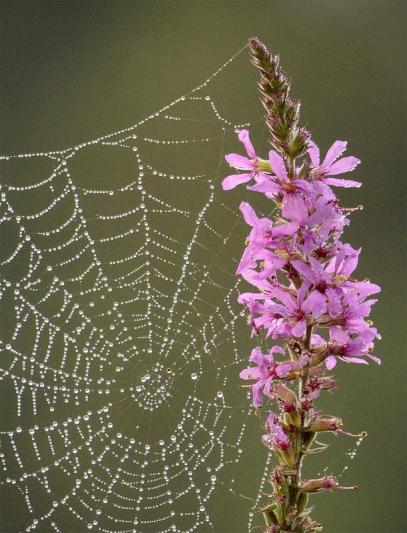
[(303, 281)]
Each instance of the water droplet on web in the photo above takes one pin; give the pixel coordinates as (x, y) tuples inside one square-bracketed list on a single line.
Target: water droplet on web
[(194, 376)]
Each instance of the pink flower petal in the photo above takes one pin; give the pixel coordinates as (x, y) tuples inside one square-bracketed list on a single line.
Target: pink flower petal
[(249, 214), (346, 164), (232, 181), (338, 335), (334, 152), (330, 362), (267, 186), (347, 184), (304, 270), (294, 208), (244, 138), (251, 373), (239, 162), (299, 329), (283, 369), (313, 151), (357, 360), (278, 166), (277, 349), (256, 391), (315, 304)]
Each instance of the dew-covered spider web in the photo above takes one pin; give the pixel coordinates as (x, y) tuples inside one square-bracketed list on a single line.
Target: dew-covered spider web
[(121, 337)]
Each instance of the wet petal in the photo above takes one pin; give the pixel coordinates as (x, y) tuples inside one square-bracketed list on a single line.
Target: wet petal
[(336, 182), (258, 358), (249, 214), (257, 399), (299, 329), (294, 208), (338, 335), (357, 360), (283, 369), (244, 138), (278, 166), (266, 185), (268, 388), (284, 297), (330, 362), (346, 164), (334, 303), (251, 373), (304, 270), (232, 181), (334, 152), (313, 151), (240, 162), (315, 304), (277, 349)]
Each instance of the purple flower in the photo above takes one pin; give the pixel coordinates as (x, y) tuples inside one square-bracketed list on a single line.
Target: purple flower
[(304, 277), (351, 311), (331, 166), (348, 349), (296, 310), (276, 437), (263, 373), (289, 191), (241, 162), (263, 236)]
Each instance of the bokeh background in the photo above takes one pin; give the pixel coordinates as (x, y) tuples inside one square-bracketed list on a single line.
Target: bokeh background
[(75, 70)]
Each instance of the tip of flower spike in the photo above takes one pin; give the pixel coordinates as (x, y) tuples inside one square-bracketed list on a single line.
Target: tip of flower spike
[(254, 41)]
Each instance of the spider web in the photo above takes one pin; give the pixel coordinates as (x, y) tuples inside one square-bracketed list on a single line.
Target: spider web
[(121, 337)]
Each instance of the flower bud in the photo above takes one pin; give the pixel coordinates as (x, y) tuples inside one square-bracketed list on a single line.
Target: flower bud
[(323, 483), (327, 383), (318, 485), (285, 394), (328, 423)]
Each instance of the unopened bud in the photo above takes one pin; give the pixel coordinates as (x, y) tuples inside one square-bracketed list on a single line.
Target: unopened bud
[(285, 394), (332, 423), (318, 485), (327, 383), (323, 483)]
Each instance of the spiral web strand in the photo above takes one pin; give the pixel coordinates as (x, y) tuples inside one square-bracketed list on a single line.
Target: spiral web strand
[(120, 345)]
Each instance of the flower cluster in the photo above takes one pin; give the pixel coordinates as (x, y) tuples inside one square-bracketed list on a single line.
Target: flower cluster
[(299, 266), (305, 295)]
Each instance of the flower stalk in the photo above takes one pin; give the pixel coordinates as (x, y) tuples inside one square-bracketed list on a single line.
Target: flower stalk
[(306, 298)]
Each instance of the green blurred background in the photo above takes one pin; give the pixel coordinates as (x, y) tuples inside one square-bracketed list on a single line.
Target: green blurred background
[(75, 70)]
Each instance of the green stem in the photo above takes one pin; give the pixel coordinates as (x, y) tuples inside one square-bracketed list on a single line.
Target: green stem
[(295, 501)]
